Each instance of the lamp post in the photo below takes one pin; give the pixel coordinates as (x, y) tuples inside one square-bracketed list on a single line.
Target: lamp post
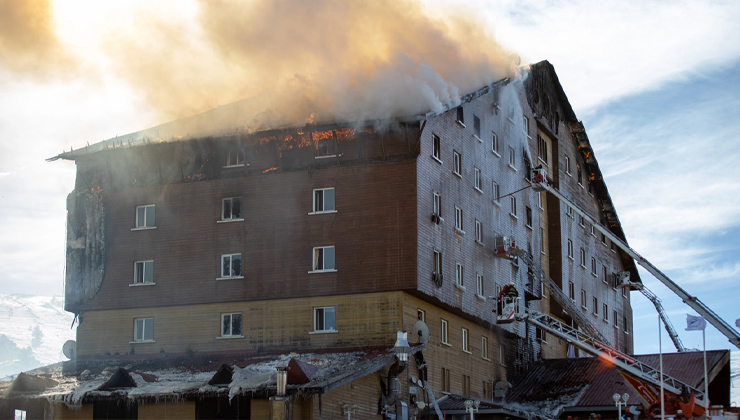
[(471, 406), (619, 404)]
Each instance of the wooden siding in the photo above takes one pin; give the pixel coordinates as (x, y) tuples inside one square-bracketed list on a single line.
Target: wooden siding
[(373, 232), (364, 392), (280, 325)]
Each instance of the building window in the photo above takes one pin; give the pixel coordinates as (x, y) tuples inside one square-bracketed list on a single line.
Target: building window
[(581, 221), (512, 158), (583, 299), (528, 212), (526, 124), (460, 115), (495, 192), (624, 291), (542, 149), (234, 158), (542, 240), (593, 230), (144, 272), (569, 211), (494, 144), (570, 249), (145, 216), (457, 163), (604, 275), (624, 325), (445, 380), (478, 180), (465, 342), (596, 306), (436, 147), (571, 291), (466, 384), (478, 231), (459, 273), (484, 347), (593, 266), (144, 329), (476, 126), (443, 333), (502, 354), (603, 239), (541, 200), (605, 312), (437, 205), (579, 175), (583, 258), (540, 334), (19, 414), (567, 165), (614, 319), (231, 208), (324, 319), (437, 262), (479, 285), (231, 325), (459, 219), (323, 258), (323, 200), (231, 266), (421, 315), (512, 202)]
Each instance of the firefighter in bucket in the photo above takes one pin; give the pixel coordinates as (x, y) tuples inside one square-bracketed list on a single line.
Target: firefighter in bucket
[(507, 303)]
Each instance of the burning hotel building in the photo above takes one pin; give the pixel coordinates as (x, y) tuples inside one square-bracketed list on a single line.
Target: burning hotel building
[(196, 267)]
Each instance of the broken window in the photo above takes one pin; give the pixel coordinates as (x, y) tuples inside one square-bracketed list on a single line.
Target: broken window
[(476, 126), (231, 265), (234, 158), (494, 143), (144, 329), (145, 216), (326, 146), (443, 332), (231, 324), (542, 150), (324, 319), (144, 272), (231, 208), (323, 200), (436, 147), (323, 258), (460, 115), (457, 163)]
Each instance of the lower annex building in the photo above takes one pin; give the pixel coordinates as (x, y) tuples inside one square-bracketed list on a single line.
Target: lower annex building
[(196, 267)]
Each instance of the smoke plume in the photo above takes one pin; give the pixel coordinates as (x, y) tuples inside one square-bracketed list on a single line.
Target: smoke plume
[(320, 60), (28, 43)]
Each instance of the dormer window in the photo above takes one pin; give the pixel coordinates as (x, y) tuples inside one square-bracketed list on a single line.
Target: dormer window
[(234, 158)]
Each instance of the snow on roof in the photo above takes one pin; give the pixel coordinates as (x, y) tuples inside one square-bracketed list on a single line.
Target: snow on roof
[(82, 381)]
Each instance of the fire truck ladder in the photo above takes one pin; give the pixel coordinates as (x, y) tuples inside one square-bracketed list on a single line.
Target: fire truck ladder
[(620, 360), (659, 307), (540, 184), (557, 293)]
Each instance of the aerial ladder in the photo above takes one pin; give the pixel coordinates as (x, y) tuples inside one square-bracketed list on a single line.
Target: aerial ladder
[(659, 307), (539, 183)]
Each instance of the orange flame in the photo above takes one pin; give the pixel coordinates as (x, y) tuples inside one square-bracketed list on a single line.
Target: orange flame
[(268, 170)]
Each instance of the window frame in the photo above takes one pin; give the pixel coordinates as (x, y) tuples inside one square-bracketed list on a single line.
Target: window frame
[(437, 148), (593, 266), (572, 291), (478, 180), (444, 332), (570, 250), (437, 263), (567, 166), (584, 299), (144, 207), (476, 126), (484, 347), (460, 116), (459, 220), (231, 267), (315, 198), (595, 303), (605, 312), (144, 322), (465, 340), (529, 217), (231, 316), (320, 252), (231, 209), (496, 192), (542, 152), (495, 146), (240, 160), (512, 205), (459, 275), (457, 163), (583, 258), (478, 231), (143, 281), (512, 158), (479, 286), (437, 204), (615, 319), (322, 311)]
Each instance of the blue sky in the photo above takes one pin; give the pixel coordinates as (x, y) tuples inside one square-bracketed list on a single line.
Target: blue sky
[(655, 83)]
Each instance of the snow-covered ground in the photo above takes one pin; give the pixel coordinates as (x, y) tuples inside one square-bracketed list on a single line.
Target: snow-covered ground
[(32, 332)]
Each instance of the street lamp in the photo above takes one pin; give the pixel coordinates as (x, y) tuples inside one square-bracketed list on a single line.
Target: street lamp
[(471, 406), (619, 404)]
